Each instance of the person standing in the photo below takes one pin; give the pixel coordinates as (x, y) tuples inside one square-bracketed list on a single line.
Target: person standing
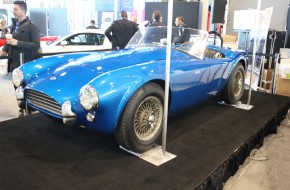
[(92, 26), (25, 38), (121, 31), (157, 29), (157, 19), (134, 19), (183, 31)]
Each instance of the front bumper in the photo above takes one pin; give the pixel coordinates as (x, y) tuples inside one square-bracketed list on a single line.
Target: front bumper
[(69, 118), (19, 92)]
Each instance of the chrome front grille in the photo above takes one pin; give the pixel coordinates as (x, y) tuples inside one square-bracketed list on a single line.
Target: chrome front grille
[(43, 101)]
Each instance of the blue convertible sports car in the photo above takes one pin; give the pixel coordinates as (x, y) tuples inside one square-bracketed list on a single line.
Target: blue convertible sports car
[(122, 92)]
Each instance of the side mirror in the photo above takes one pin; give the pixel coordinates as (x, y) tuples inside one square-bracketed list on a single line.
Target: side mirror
[(64, 43)]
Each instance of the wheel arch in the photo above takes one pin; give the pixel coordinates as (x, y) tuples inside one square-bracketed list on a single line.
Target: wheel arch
[(241, 59), (162, 84), (227, 93), (127, 97), (243, 62)]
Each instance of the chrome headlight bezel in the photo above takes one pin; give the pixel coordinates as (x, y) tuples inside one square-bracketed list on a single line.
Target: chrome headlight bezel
[(89, 98), (17, 77)]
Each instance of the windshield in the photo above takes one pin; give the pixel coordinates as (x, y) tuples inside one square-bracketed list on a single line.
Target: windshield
[(188, 40)]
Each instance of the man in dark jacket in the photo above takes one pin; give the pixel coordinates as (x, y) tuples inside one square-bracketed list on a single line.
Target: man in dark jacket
[(183, 31), (92, 26), (157, 19), (121, 31), (25, 38), (155, 33)]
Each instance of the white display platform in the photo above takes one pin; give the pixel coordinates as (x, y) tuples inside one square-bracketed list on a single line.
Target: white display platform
[(154, 156)]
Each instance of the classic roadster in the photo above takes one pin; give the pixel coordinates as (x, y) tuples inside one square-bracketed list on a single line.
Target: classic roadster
[(122, 92)]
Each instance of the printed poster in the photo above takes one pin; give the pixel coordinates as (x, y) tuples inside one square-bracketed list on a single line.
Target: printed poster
[(261, 31)]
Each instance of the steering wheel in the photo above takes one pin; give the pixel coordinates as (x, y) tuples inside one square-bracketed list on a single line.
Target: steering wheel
[(219, 35)]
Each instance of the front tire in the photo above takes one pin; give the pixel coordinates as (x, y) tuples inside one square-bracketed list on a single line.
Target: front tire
[(235, 86), (140, 124)]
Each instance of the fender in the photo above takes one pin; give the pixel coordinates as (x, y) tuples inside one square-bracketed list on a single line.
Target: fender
[(36, 68), (121, 85)]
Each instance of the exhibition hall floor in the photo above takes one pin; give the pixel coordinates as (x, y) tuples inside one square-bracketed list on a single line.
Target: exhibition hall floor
[(209, 141)]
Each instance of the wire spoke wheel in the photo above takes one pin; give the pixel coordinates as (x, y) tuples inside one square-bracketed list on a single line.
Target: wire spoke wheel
[(234, 88), (238, 83), (140, 123), (148, 118)]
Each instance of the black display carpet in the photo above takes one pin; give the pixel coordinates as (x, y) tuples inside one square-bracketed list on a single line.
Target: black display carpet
[(210, 141)]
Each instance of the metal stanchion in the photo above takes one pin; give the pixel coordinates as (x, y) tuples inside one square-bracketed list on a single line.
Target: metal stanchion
[(254, 55), (277, 56), (167, 74), (158, 155), (25, 111), (21, 58)]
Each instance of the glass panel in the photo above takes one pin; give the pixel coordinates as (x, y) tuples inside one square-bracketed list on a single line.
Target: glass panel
[(86, 39), (94, 39), (188, 40)]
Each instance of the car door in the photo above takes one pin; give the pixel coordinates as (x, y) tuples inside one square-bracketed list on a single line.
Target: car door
[(188, 83), (218, 74)]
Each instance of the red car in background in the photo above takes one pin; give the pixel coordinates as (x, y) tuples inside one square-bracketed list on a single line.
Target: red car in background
[(2, 42), (47, 39)]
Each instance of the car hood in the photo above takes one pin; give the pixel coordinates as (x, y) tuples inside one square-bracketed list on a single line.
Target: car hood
[(71, 74), (102, 62)]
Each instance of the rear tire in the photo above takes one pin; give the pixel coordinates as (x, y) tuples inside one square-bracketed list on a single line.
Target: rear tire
[(140, 124), (236, 84)]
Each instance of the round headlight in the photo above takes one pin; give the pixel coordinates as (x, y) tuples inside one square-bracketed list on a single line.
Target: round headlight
[(89, 98), (17, 77)]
